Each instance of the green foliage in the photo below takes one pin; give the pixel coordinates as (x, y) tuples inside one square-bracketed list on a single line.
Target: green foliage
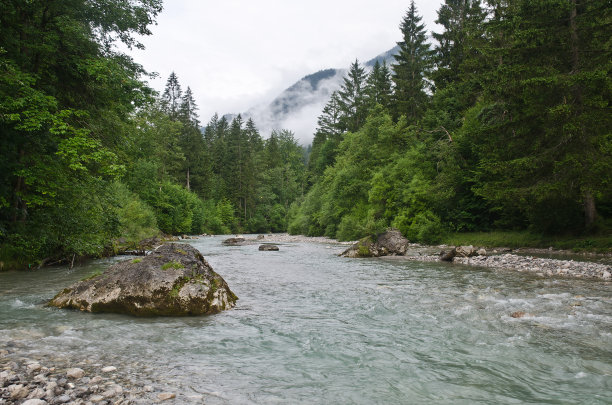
[(136, 219), (503, 141), (173, 265), (424, 227)]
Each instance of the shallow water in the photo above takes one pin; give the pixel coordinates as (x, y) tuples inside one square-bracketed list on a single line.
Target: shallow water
[(311, 327)]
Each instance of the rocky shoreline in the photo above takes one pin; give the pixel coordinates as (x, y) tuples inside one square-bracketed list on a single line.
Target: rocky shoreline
[(542, 267), (27, 381), (520, 260)]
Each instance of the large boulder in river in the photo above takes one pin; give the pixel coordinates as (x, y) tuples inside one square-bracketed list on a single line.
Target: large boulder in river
[(389, 243), (237, 241), (174, 280)]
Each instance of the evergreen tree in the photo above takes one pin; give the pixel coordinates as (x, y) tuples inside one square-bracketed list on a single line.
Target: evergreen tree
[(352, 98), (459, 19), (171, 99), (379, 86), (544, 131), (326, 138), (413, 65), (188, 109)]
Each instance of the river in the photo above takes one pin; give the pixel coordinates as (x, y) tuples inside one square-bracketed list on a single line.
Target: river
[(313, 328)]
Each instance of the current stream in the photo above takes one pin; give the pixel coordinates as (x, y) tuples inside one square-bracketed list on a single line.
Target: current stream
[(313, 328)]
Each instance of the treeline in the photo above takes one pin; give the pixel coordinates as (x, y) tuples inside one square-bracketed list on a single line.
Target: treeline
[(92, 157), (504, 124), (224, 178)]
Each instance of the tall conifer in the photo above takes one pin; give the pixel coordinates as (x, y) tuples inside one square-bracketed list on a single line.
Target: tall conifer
[(412, 66)]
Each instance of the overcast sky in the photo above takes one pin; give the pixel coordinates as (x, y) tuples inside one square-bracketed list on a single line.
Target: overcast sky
[(236, 54)]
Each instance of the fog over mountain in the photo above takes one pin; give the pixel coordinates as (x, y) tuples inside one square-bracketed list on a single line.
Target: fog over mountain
[(298, 107)]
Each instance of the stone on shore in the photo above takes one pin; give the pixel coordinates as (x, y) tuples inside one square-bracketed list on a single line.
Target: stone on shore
[(174, 280), (34, 402), (164, 396), (389, 243), (75, 373), (448, 256), (466, 251), (268, 248)]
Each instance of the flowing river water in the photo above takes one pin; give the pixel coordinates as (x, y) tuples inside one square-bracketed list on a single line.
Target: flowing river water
[(313, 328)]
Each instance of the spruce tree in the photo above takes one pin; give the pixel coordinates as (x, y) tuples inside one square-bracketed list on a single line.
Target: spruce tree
[(459, 19), (326, 138), (412, 66), (352, 98), (544, 139), (379, 86), (188, 109), (171, 99)]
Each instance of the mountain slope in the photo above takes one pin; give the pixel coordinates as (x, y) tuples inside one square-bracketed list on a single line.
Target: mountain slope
[(298, 107)]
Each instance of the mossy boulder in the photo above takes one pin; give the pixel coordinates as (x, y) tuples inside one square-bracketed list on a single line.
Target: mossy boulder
[(174, 280), (389, 243)]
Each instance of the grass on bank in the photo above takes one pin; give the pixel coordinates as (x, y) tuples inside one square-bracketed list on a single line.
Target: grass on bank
[(522, 239)]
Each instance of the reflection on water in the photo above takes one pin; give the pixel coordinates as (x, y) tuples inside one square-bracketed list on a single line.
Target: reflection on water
[(311, 327)]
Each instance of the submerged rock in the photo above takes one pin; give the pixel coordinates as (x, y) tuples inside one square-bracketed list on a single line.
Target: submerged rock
[(237, 241), (268, 248), (389, 243), (174, 280)]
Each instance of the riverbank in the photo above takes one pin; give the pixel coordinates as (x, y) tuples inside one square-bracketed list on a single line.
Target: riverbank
[(542, 267), (581, 265), (592, 244), (41, 381)]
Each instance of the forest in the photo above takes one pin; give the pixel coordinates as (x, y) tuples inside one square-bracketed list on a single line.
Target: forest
[(501, 122)]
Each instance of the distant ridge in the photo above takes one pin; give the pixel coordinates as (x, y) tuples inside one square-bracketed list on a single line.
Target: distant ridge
[(298, 107)]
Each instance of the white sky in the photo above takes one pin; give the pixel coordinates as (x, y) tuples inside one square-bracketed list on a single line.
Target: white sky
[(237, 54)]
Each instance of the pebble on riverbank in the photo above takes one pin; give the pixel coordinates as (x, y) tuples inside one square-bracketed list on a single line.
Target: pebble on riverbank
[(541, 267), (528, 264), (28, 382)]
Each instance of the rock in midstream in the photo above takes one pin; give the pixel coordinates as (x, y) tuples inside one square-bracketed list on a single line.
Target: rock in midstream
[(174, 280), (389, 243)]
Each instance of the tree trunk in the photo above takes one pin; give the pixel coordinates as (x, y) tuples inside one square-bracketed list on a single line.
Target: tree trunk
[(590, 210), (188, 184)]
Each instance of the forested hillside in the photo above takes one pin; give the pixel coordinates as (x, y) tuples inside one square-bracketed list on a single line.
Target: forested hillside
[(92, 157), (504, 124)]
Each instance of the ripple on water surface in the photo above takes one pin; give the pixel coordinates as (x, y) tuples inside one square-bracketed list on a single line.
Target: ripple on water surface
[(312, 328)]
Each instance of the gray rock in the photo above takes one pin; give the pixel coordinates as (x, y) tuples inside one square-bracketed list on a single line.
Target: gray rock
[(238, 241), (389, 243), (109, 369), (481, 252), (75, 373), (62, 399), (17, 391), (466, 251), (174, 280), (448, 256), (269, 248), (33, 367), (34, 402), (96, 398), (37, 393)]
